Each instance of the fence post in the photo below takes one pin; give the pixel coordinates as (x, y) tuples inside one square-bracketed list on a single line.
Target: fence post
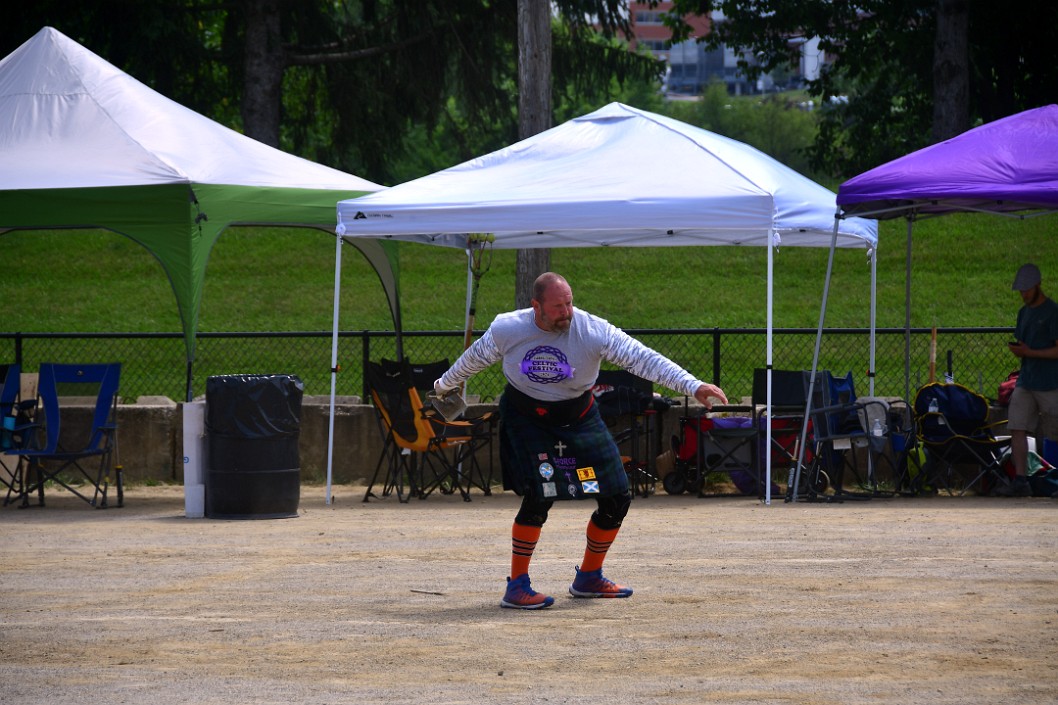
[(365, 346), (716, 356)]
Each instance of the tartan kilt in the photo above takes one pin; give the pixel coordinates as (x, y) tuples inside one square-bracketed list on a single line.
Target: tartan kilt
[(575, 461)]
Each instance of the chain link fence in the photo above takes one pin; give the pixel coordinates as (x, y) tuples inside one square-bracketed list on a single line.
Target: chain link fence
[(155, 364)]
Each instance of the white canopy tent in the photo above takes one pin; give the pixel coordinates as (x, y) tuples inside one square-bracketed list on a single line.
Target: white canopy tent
[(616, 177)]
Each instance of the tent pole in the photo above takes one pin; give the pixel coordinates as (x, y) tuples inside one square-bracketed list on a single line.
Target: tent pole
[(907, 313), (189, 392), (468, 313), (815, 358), (768, 365), (872, 372), (334, 361)]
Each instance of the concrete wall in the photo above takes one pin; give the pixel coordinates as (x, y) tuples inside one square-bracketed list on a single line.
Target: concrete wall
[(150, 438)]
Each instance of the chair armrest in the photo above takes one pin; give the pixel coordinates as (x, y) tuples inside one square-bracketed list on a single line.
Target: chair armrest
[(435, 417)]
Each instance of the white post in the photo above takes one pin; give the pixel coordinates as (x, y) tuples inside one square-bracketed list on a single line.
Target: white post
[(768, 364), (196, 459), (334, 361)]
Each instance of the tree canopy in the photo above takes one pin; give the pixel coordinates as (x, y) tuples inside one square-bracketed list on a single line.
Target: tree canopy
[(349, 84), (884, 91)]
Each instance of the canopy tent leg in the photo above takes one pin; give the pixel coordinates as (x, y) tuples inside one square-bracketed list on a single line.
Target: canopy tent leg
[(907, 312), (334, 361), (872, 372), (792, 493), (772, 244), (188, 395)]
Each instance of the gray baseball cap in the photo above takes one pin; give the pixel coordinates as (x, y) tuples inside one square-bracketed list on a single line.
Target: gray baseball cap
[(1027, 277)]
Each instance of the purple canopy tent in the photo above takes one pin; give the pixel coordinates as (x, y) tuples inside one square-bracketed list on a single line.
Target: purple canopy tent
[(1005, 167)]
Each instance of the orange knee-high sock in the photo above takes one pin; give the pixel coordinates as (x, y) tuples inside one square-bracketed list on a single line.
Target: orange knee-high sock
[(599, 541), (523, 543)]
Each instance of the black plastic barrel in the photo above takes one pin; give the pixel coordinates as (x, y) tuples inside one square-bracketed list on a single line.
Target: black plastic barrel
[(252, 424)]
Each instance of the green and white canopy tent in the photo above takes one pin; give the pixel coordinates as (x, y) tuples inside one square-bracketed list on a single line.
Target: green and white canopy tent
[(85, 145)]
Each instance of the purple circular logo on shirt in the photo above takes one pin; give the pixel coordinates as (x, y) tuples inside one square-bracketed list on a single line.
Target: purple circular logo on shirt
[(546, 365)]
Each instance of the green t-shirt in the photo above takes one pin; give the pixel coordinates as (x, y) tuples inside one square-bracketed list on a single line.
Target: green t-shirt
[(1038, 328)]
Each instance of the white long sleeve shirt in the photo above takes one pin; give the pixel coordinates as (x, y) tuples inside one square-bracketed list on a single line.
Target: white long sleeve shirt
[(559, 365)]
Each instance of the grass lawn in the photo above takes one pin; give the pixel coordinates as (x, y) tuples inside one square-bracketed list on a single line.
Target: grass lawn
[(282, 279)]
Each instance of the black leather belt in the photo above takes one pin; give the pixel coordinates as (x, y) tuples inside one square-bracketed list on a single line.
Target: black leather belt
[(554, 413)]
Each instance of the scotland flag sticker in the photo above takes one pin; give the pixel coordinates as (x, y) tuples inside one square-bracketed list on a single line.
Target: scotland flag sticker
[(591, 487)]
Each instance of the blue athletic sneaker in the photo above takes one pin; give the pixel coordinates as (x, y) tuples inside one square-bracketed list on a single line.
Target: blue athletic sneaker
[(521, 596), (593, 584)]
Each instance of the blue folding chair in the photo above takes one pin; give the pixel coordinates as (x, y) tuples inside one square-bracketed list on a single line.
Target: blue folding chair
[(843, 427), (51, 454)]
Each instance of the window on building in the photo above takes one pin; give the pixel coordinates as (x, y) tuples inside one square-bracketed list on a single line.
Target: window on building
[(645, 17)]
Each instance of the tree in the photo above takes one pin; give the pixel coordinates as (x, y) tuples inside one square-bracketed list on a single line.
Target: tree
[(951, 71), (534, 116), (340, 82), (410, 57), (897, 65), (264, 65)]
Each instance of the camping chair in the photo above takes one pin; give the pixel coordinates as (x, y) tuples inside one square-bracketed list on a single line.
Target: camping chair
[(842, 427), (629, 409), (476, 474), (390, 457), (907, 453), (421, 450), (953, 427), (56, 453), (787, 420)]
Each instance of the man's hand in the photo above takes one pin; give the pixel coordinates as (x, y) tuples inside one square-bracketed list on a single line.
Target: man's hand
[(708, 393)]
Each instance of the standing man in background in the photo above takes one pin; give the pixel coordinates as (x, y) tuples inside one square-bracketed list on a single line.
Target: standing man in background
[(1034, 403)]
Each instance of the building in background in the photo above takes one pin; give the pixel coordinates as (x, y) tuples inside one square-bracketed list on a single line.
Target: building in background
[(691, 68)]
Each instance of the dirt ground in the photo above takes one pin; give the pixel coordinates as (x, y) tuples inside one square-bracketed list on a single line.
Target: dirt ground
[(922, 600)]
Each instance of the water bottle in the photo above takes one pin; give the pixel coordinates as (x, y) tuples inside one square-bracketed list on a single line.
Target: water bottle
[(935, 409), (877, 430)]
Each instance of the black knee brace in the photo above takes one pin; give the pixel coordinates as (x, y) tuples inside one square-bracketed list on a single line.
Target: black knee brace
[(612, 510), (533, 512)]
